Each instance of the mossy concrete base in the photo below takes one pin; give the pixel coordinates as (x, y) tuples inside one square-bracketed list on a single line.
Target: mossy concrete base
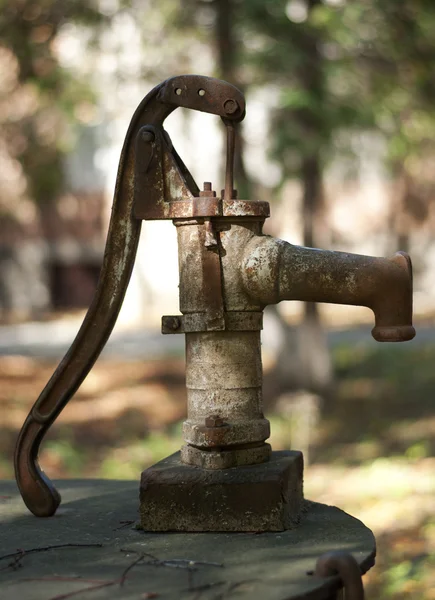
[(264, 497)]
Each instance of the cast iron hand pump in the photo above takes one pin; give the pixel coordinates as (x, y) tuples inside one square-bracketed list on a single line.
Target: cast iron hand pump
[(229, 271)]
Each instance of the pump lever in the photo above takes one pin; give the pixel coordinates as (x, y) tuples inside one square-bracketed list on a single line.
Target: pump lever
[(205, 94), (190, 91)]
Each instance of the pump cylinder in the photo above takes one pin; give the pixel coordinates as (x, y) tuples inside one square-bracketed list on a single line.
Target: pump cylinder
[(224, 381)]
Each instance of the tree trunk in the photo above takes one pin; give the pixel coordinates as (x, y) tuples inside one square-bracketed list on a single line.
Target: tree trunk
[(315, 356), (316, 367)]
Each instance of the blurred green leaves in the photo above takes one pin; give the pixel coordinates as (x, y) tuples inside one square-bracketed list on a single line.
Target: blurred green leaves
[(36, 136)]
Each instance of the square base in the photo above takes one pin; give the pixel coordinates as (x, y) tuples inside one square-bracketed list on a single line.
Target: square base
[(263, 497)]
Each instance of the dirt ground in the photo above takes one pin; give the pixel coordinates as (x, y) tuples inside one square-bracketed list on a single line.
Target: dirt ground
[(371, 449)]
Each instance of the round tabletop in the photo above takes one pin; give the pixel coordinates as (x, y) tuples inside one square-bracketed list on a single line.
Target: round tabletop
[(93, 549)]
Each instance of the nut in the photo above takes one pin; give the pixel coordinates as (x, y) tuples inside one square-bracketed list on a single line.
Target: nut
[(214, 421), (207, 191)]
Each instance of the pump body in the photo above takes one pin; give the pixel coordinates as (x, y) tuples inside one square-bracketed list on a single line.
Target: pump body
[(229, 271)]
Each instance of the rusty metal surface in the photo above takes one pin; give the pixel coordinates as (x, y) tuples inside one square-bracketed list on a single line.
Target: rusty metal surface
[(162, 182), (245, 208), (159, 183), (224, 378), (274, 270), (346, 567), (230, 435), (195, 322), (205, 94), (224, 459), (201, 288), (214, 421), (234, 237), (165, 190), (229, 169)]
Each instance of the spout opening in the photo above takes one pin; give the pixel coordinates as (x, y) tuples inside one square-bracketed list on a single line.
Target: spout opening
[(399, 333)]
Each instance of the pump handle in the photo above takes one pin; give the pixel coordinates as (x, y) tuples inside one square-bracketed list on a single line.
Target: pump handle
[(190, 91)]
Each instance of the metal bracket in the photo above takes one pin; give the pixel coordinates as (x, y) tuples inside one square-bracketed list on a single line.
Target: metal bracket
[(196, 322), (164, 188), (345, 566)]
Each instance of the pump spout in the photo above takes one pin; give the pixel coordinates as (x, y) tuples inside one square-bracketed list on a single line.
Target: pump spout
[(273, 270)]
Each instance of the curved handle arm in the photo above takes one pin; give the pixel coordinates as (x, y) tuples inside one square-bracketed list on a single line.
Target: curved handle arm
[(38, 492)]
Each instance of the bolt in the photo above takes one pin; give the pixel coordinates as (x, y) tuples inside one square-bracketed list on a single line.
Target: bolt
[(214, 421), (172, 323), (207, 190), (148, 136), (230, 106)]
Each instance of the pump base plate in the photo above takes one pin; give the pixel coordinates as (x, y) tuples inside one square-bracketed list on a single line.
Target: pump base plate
[(263, 497)]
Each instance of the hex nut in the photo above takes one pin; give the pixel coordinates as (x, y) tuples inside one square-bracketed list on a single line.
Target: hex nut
[(214, 421)]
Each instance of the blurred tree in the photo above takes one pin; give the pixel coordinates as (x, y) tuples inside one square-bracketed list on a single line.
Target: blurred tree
[(40, 103), (42, 96), (382, 56), (396, 54), (344, 66), (286, 55)]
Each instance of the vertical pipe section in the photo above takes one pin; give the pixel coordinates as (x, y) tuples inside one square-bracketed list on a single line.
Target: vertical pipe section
[(223, 368), (224, 379)]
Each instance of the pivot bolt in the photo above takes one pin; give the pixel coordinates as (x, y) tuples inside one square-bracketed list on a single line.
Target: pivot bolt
[(230, 106), (214, 421), (148, 136)]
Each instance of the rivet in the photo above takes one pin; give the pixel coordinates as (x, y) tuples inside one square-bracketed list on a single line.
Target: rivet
[(148, 136), (230, 106)]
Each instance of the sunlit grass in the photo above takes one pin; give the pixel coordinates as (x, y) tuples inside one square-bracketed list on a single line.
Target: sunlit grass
[(128, 461)]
